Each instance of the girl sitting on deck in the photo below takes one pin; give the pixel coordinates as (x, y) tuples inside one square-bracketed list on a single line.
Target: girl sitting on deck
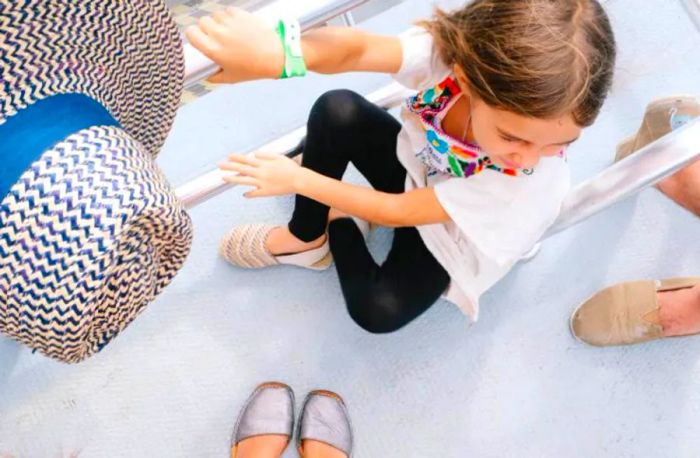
[(471, 178)]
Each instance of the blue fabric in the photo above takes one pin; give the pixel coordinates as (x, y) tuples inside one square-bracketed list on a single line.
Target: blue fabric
[(25, 136)]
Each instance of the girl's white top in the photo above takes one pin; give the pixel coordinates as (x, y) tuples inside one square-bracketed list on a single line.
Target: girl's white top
[(495, 218)]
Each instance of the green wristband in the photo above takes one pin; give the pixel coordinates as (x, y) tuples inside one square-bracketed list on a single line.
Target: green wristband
[(289, 32)]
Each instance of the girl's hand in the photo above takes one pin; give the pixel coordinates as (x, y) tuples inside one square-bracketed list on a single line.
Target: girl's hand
[(271, 174), (242, 44)]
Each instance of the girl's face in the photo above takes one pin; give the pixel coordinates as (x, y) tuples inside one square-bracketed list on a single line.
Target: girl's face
[(515, 141)]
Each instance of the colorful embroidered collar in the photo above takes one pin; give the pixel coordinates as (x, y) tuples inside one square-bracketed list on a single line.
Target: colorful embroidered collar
[(448, 154)]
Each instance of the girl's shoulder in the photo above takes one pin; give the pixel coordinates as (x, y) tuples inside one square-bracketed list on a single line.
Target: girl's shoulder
[(422, 66)]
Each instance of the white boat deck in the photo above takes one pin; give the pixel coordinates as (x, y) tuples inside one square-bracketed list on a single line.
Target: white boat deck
[(516, 384)]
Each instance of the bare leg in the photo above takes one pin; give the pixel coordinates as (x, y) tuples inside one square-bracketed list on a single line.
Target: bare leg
[(679, 312), (269, 446), (315, 449), (282, 241), (684, 188)]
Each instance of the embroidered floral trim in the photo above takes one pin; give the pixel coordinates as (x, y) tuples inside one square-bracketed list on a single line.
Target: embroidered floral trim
[(448, 154)]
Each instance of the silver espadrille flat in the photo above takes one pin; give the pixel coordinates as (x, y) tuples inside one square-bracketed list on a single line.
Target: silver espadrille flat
[(325, 418), (268, 411)]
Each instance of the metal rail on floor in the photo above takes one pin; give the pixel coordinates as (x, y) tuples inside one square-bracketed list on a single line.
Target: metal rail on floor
[(693, 8), (645, 168), (628, 177), (212, 183)]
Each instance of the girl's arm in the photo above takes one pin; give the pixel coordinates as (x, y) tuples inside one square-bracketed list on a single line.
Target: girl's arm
[(345, 49), (274, 175), (414, 208), (247, 48)]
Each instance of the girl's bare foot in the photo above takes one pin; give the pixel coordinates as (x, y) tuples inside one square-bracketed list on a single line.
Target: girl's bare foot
[(684, 188), (315, 449), (268, 446), (679, 312), (282, 241)]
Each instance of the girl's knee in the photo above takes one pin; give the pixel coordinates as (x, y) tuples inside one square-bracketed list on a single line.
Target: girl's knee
[(379, 312), (336, 109)]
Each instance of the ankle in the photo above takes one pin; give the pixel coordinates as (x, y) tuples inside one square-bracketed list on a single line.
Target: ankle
[(282, 241), (315, 449), (679, 312), (271, 446), (684, 188)]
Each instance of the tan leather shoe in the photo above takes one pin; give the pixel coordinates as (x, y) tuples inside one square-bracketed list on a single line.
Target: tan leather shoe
[(662, 116), (621, 314)]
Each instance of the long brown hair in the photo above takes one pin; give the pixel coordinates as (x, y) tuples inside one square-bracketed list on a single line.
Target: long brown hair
[(539, 58)]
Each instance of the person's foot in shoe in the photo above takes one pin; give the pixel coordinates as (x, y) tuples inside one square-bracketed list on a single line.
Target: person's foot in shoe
[(281, 241), (316, 449), (679, 312), (684, 188), (268, 446)]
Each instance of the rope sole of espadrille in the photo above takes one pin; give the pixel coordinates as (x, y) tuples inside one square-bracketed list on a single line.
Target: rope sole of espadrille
[(245, 247)]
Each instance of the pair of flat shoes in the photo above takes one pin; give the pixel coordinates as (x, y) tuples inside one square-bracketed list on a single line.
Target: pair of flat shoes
[(270, 411)]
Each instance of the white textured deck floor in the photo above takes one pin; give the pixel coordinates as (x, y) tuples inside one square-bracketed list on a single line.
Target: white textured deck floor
[(514, 385)]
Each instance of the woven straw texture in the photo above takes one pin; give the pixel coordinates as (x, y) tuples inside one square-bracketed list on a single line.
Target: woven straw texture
[(244, 246), (91, 232), (126, 54), (89, 235)]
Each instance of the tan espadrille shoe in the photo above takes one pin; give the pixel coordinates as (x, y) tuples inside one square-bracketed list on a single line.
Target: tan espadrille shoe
[(620, 314), (662, 116), (245, 247)]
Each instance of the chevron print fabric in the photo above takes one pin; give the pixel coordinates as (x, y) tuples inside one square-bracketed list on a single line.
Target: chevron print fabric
[(89, 235), (91, 231), (127, 54)]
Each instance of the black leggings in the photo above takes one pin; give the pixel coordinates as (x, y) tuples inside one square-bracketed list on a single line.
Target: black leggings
[(345, 128)]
